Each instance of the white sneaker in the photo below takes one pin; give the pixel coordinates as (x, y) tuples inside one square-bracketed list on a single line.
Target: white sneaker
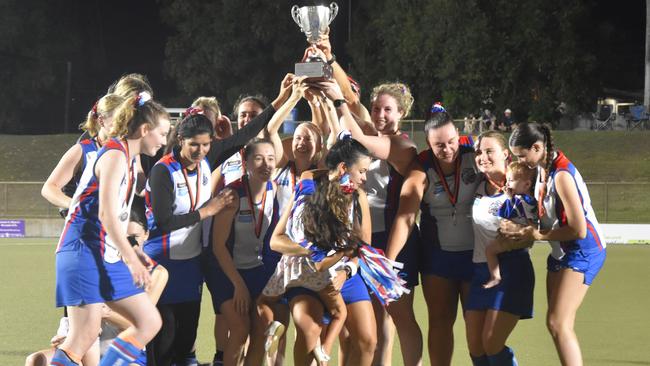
[(273, 334)]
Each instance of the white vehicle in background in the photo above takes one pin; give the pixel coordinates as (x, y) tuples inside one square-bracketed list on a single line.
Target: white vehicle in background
[(611, 114)]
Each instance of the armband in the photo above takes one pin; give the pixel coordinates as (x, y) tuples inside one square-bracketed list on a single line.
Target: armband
[(339, 102), (332, 60)]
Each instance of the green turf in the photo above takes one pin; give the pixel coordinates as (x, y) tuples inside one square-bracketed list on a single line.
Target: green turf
[(601, 156), (612, 323)]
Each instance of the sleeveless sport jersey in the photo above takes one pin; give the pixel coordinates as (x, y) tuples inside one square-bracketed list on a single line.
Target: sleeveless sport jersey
[(444, 223), (383, 186), (232, 169), (191, 191), (82, 222), (553, 215), (250, 234)]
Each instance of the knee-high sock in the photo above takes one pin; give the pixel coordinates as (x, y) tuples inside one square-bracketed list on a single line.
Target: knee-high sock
[(504, 358), (121, 352)]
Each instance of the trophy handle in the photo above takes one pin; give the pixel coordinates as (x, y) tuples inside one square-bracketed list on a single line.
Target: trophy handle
[(334, 9), (295, 14)]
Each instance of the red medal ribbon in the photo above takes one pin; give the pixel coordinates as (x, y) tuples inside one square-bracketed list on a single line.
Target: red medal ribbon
[(193, 200), (130, 172), (257, 222), (452, 197), (498, 187)]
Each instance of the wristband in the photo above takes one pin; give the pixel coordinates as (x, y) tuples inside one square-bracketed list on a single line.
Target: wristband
[(338, 103), (332, 60)]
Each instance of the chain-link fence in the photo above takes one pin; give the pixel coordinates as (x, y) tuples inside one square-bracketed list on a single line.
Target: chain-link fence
[(614, 202)]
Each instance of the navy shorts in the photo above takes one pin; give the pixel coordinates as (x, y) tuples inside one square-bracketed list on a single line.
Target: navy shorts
[(514, 294), (587, 261), (83, 277), (223, 290), (185, 281), (409, 256), (447, 264)]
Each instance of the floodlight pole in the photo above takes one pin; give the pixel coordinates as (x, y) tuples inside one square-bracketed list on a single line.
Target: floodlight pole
[(646, 89)]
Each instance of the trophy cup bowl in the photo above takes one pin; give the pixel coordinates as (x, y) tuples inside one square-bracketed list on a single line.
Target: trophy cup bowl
[(313, 22)]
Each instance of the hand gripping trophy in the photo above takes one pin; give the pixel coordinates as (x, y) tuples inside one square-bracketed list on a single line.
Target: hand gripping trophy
[(313, 22)]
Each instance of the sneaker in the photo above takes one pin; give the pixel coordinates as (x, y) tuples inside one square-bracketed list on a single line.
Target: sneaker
[(273, 334)]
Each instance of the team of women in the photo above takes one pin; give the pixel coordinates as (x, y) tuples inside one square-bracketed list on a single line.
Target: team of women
[(231, 209)]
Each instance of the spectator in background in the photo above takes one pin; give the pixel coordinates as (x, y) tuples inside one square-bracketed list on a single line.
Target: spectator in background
[(488, 121), (507, 123)]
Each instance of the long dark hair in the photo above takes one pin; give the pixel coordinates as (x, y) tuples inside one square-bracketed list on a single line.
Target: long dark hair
[(326, 216), (526, 134)]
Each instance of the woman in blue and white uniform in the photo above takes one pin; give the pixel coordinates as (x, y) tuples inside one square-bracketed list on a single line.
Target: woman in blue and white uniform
[(441, 184), (492, 313), (567, 220), (346, 157), (241, 236), (95, 262), (178, 197)]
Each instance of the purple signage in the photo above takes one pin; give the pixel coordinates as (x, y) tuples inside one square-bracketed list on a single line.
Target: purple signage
[(12, 228)]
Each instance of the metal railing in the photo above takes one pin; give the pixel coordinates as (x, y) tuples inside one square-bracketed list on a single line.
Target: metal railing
[(613, 202)]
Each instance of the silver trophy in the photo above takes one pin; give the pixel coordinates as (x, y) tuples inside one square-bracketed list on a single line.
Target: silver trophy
[(313, 22)]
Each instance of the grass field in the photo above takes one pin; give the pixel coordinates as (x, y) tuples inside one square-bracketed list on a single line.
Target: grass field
[(612, 323), (601, 156)]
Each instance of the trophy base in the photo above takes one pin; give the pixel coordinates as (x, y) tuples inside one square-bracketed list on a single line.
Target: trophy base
[(314, 69)]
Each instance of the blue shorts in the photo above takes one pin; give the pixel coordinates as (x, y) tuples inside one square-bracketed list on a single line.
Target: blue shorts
[(514, 294), (587, 261), (447, 264), (83, 277), (254, 278), (185, 280), (409, 256)]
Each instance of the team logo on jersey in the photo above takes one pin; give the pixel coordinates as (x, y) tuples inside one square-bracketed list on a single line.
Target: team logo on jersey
[(494, 207), (438, 188), (124, 216), (245, 216), (468, 175), (205, 180)]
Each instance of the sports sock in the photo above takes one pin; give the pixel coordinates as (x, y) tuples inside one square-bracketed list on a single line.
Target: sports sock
[(504, 358), (121, 352), (480, 360), (63, 358)]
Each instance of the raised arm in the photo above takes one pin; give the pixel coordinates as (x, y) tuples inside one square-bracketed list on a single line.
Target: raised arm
[(220, 150), (409, 203), (399, 151), (60, 176), (298, 88)]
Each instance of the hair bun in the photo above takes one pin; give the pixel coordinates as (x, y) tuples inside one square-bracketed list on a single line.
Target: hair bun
[(437, 108)]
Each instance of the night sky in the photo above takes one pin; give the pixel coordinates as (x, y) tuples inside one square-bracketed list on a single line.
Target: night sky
[(128, 36)]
